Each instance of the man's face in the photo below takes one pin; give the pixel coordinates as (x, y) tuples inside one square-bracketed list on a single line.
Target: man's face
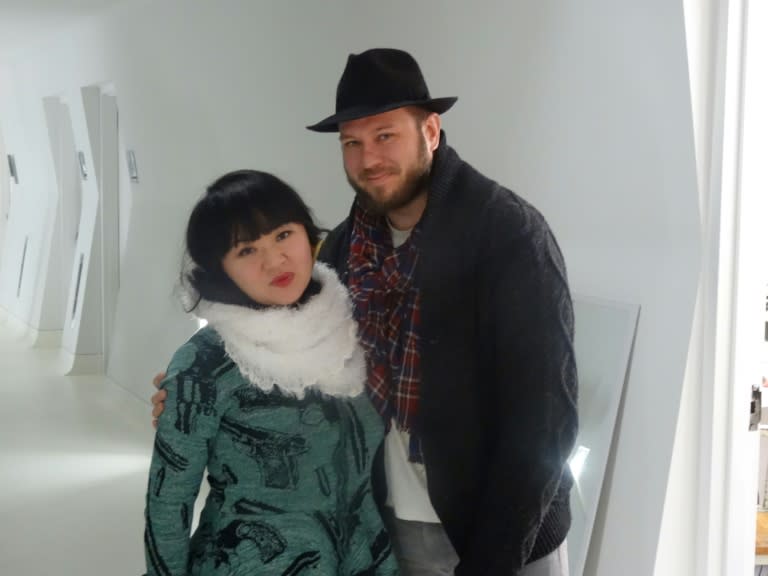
[(387, 158)]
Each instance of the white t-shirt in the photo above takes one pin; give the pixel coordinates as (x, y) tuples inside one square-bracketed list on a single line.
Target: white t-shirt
[(406, 481)]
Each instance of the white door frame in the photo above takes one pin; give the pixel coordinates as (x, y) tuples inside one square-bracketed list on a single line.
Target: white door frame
[(732, 292)]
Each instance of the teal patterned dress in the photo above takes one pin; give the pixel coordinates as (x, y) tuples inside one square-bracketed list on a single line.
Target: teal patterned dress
[(290, 476)]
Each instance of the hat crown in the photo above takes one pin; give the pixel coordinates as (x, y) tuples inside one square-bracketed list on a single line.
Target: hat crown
[(378, 77), (376, 81)]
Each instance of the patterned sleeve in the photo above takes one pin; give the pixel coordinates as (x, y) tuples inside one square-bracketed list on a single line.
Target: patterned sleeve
[(180, 456)]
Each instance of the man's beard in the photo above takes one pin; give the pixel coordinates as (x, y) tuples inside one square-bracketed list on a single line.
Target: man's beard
[(415, 183)]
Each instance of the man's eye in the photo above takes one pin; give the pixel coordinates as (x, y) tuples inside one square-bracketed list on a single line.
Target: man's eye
[(385, 136), (350, 143)]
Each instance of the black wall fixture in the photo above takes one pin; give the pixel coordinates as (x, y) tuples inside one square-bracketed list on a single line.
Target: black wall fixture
[(12, 168), (21, 268)]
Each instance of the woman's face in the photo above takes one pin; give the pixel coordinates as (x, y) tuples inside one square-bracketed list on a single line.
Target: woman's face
[(274, 269)]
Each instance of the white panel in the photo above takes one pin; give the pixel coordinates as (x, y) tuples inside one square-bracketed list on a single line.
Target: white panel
[(63, 201), (5, 190), (83, 326), (605, 332)]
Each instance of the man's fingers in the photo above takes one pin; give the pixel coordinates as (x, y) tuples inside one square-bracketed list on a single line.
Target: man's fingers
[(159, 397)]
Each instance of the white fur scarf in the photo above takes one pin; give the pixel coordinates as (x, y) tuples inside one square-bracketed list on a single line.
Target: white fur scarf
[(312, 346)]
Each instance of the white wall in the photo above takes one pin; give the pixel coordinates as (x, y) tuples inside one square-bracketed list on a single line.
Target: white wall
[(32, 201), (582, 108)]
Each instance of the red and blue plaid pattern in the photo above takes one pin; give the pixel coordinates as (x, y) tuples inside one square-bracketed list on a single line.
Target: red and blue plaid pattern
[(386, 302)]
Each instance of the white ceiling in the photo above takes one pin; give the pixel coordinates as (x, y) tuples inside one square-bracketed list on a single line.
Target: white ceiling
[(25, 21)]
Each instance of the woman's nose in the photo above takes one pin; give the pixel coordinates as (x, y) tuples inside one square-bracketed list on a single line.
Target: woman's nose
[(273, 258)]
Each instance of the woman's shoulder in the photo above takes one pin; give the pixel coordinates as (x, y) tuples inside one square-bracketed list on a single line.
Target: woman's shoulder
[(206, 341), (206, 337), (203, 356)]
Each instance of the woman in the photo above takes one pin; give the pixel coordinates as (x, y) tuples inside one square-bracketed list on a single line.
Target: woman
[(269, 397)]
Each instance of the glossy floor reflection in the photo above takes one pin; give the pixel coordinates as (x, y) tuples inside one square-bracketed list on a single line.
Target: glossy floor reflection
[(74, 455)]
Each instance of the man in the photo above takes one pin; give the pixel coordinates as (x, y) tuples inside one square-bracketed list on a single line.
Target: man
[(461, 295)]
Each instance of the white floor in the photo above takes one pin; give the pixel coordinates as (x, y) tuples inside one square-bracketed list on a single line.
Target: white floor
[(74, 455)]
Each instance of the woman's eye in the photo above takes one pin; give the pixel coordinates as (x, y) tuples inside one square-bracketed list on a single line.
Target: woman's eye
[(283, 235), (245, 251)]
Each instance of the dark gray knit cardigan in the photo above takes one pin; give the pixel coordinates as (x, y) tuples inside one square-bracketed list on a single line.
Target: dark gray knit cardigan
[(498, 416)]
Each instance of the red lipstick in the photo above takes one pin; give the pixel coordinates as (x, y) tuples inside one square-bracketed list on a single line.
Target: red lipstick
[(282, 280)]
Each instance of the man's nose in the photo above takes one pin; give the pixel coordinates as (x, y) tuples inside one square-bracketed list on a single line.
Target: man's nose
[(370, 157)]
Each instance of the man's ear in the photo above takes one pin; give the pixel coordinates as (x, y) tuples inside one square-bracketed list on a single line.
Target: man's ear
[(431, 129)]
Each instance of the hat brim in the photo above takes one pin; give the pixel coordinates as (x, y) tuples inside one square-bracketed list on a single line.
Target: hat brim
[(331, 124)]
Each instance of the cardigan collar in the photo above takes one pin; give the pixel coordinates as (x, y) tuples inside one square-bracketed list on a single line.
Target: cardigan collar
[(445, 164)]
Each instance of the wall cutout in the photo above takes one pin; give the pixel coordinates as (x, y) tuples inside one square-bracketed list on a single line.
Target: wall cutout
[(12, 168), (77, 286), (133, 171), (83, 171), (21, 269)]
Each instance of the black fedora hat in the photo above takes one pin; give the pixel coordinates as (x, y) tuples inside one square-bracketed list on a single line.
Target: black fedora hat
[(376, 81)]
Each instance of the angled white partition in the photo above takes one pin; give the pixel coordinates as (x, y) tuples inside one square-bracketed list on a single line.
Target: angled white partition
[(94, 274), (605, 334), (63, 219)]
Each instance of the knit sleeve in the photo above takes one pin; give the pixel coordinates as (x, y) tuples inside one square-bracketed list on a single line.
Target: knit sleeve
[(191, 418), (525, 298)]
